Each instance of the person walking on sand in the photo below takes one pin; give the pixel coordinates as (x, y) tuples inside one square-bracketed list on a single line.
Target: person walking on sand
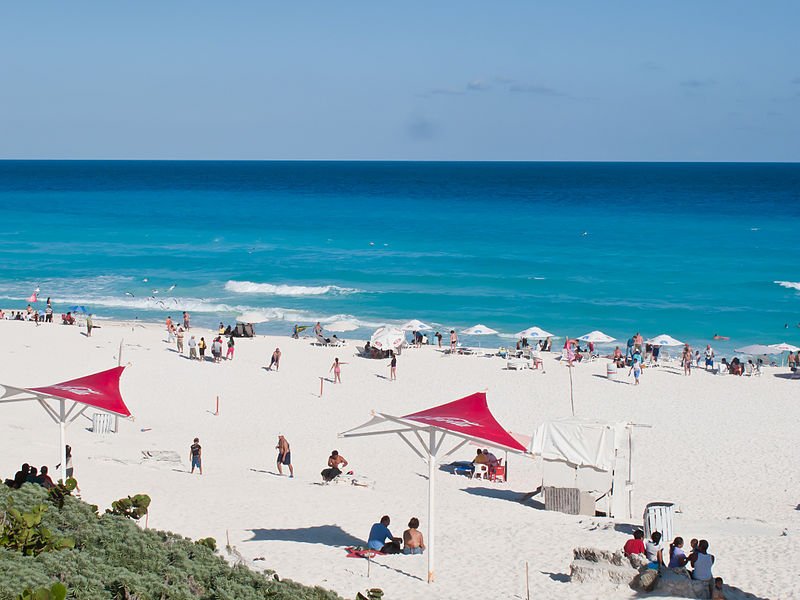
[(196, 456), (709, 357), (201, 346), (229, 354), (180, 340), (337, 370), (392, 366), (686, 359), (89, 325), (636, 367), (438, 336), (168, 324), (453, 340), (186, 320), (284, 456), (192, 348), (276, 360)]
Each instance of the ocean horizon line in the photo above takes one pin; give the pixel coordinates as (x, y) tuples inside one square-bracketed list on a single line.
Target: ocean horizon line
[(407, 161)]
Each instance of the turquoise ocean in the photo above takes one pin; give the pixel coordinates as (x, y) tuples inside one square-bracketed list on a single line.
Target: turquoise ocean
[(685, 249)]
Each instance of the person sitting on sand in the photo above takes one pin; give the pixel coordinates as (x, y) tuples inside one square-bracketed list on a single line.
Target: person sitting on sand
[(654, 551), (336, 462), (379, 534), (44, 479), (717, 592), (677, 557), (702, 562), (32, 475), (618, 358), (413, 542), (635, 545)]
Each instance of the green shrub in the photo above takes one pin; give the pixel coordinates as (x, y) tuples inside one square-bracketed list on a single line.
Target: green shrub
[(114, 559)]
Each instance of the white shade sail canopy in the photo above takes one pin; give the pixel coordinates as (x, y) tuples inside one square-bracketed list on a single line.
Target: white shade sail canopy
[(387, 337), (664, 340), (479, 330), (415, 325), (597, 337), (534, 333)]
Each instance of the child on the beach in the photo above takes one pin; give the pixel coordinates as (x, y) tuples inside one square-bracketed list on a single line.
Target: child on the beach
[(196, 455)]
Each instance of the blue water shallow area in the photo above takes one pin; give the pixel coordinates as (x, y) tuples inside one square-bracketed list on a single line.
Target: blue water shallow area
[(685, 249)]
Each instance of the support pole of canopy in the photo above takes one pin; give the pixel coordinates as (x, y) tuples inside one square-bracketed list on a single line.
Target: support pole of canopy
[(431, 506), (62, 425)]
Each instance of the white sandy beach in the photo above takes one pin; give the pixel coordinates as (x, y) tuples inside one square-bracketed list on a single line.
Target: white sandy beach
[(724, 449)]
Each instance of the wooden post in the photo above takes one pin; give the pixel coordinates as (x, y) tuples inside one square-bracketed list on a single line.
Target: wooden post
[(321, 382), (527, 583), (216, 410)]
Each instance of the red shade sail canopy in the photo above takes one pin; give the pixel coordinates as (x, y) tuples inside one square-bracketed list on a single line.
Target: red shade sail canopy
[(100, 390), (468, 416)]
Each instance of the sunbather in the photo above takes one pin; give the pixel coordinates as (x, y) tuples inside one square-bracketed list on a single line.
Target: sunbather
[(336, 462), (413, 542)]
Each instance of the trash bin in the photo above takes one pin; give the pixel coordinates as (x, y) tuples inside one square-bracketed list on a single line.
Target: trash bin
[(611, 371), (658, 517)]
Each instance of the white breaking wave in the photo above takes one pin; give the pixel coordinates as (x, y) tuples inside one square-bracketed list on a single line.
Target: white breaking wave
[(270, 289), (792, 285)]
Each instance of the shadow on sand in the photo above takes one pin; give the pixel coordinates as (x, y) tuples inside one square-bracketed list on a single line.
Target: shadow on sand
[(509, 495), (328, 535)]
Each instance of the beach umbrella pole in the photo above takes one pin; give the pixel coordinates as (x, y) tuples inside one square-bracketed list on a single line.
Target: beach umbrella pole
[(431, 501), (62, 426)]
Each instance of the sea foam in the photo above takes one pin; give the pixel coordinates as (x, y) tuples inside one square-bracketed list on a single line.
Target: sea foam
[(271, 289), (792, 285)]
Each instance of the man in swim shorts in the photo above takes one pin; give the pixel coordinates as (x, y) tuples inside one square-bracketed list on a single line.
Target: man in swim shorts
[(284, 456)]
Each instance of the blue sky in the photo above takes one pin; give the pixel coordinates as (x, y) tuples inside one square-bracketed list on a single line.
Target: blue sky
[(567, 80)]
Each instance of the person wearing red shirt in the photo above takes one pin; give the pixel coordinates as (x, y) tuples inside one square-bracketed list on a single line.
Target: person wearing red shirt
[(636, 544)]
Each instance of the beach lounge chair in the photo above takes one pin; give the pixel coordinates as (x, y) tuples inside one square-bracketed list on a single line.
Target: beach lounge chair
[(517, 364), (322, 341)]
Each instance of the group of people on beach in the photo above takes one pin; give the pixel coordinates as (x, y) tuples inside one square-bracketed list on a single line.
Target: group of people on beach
[(29, 474), (381, 539), (699, 561)]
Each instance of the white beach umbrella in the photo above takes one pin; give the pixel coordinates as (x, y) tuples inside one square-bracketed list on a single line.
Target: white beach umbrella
[(341, 326), (757, 349), (534, 333), (664, 340), (479, 330), (415, 325), (784, 347), (387, 337), (597, 337), (252, 317)]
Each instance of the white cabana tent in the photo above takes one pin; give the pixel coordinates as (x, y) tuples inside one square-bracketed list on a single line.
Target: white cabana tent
[(387, 338), (592, 456), (534, 333), (464, 420), (664, 340), (597, 337), (415, 325)]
